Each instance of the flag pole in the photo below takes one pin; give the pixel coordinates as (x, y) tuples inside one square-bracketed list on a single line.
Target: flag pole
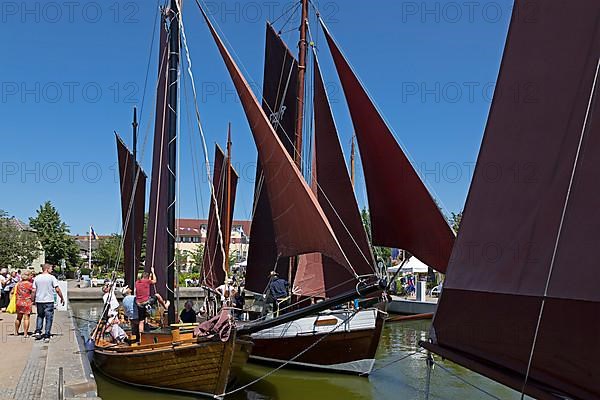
[(90, 249)]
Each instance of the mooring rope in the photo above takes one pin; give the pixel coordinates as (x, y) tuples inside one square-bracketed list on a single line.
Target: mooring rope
[(345, 321), (466, 381)]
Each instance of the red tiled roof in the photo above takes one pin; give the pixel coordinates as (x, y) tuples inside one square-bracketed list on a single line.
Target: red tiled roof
[(192, 227)]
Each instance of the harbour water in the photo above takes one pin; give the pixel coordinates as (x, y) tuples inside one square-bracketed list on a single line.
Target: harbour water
[(400, 373)]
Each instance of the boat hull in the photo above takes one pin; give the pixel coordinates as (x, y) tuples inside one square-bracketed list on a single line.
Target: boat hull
[(307, 343), (200, 368)]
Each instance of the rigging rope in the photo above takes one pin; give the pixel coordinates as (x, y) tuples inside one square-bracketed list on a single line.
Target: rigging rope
[(584, 129), (124, 225), (296, 152), (288, 20), (193, 156), (303, 300), (290, 7), (404, 357), (204, 147), (150, 56)]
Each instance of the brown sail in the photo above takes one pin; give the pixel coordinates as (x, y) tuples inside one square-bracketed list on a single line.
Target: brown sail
[(279, 102), (156, 251), (299, 222), (133, 202), (403, 213), (213, 272), (527, 249), (336, 197)]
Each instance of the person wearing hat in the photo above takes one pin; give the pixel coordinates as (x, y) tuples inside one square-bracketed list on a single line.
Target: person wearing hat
[(278, 294), (131, 311)]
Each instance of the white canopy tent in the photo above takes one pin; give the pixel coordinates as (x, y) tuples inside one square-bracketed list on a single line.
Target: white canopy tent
[(412, 266)]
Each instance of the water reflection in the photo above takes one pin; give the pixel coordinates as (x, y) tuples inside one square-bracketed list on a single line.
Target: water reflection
[(405, 379)]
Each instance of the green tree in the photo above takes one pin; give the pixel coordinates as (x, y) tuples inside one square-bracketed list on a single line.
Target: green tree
[(197, 258), (109, 249), (381, 253), (455, 220), (181, 259), (53, 233), (18, 248)]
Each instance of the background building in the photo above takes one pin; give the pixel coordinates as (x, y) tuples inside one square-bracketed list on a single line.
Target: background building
[(191, 235), (36, 265)]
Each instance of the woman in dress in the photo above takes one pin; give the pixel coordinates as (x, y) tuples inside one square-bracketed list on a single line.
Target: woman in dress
[(25, 295)]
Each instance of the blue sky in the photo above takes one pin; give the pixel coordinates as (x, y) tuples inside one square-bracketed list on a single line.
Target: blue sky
[(72, 71)]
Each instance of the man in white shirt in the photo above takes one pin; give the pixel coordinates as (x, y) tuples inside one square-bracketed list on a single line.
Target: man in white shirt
[(225, 291), (109, 296), (45, 285)]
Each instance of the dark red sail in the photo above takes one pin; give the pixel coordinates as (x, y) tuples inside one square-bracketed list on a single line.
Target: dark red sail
[(334, 191), (279, 102), (156, 242), (403, 213), (532, 216), (133, 202), (213, 269), (299, 222)]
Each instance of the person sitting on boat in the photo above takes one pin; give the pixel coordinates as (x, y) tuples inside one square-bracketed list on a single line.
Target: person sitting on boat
[(143, 299), (278, 294), (188, 314), (131, 310), (116, 332)]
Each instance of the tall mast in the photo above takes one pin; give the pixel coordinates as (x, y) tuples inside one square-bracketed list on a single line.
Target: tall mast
[(227, 238), (302, 49), (171, 112), (352, 161), (132, 215)]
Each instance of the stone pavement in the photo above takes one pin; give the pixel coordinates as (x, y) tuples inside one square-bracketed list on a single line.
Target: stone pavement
[(29, 368)]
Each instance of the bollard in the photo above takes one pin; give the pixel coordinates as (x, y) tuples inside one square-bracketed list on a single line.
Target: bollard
[(61, 384)]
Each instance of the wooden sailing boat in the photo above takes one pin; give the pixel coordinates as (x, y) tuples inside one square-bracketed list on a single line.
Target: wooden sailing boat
[(528, 316), (322, 224), (349, 348), (171, 358)]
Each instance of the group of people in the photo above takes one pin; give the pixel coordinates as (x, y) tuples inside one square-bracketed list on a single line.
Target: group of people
[(137, 307), (29, 290)]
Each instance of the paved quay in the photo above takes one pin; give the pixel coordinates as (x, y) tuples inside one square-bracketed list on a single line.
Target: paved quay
[(30, 369)]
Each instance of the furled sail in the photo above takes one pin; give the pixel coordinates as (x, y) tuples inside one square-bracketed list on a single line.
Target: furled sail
[(403, 214), (156, 242), (213, 269), (526, 256), (332, 185), (300, 224), (279, 103), (133, 187)]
